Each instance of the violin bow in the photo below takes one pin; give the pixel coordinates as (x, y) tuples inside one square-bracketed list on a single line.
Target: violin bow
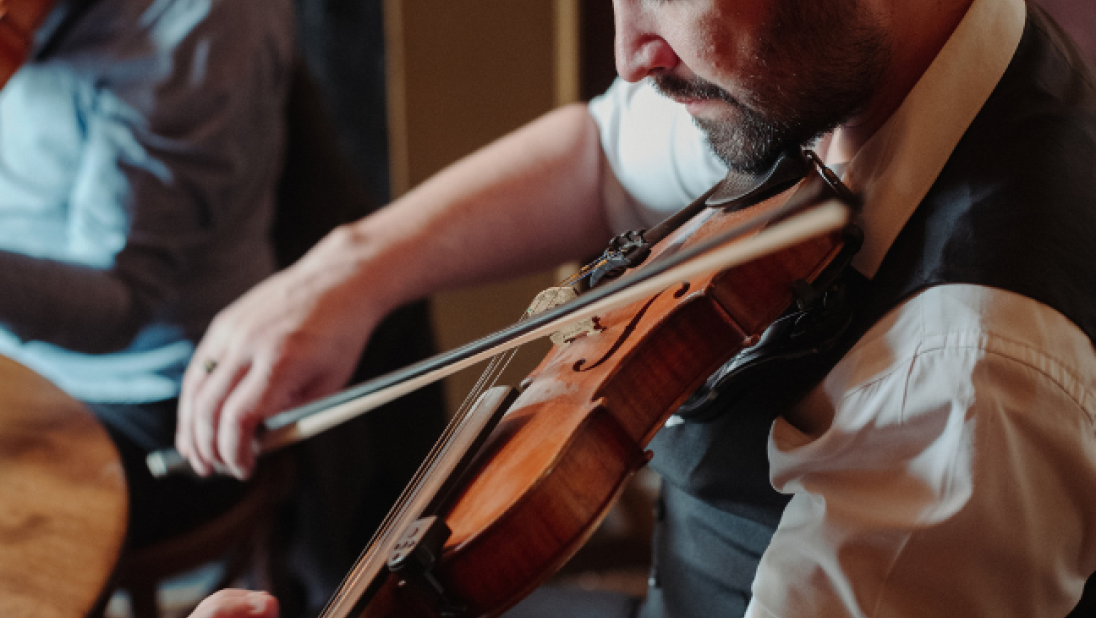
[(793, 224)]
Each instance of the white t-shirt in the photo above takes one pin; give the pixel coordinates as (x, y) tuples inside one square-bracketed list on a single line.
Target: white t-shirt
[(656, 153)]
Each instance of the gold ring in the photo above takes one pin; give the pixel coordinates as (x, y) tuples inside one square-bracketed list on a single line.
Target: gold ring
[(209, 365)]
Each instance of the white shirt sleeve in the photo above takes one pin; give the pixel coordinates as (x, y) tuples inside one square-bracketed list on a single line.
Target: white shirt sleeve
[(654, 152), (946, 467)]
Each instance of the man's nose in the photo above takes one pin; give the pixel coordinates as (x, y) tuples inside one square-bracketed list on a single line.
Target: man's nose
[(640, 50)]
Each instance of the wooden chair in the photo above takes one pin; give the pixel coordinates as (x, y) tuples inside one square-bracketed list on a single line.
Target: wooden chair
[(240, 539)]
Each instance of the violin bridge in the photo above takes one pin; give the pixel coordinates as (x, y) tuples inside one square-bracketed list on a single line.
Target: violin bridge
[(576, 330), (554, 297)]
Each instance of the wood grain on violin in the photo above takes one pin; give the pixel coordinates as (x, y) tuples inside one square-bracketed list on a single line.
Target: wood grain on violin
[(557, 461)]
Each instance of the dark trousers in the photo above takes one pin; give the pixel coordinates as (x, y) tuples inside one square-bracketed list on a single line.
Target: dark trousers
[(160, 508)]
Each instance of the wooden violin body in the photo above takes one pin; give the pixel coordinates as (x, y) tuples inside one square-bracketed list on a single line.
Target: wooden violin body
[(557, 461)]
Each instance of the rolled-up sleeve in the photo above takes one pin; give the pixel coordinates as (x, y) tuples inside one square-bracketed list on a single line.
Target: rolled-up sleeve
[(944, 468)]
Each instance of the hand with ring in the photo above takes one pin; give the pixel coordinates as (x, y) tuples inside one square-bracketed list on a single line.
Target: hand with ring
[(293, 338)]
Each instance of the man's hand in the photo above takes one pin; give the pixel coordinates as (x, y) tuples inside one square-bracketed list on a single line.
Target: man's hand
[(237, 604), (499, 212), (293, 338)]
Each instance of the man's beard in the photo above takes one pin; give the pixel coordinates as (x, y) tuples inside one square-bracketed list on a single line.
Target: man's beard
[(817, 65), (750, 143)]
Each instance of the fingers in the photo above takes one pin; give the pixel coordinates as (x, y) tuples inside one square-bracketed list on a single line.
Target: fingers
[(271, 386), (209, 416), (221, 410), (203, 393), (274, 348), (187, 414), (217, 422), (254, 397), (237, 604)]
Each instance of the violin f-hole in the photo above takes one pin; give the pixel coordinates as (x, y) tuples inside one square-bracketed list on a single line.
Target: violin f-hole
[(580, 365)]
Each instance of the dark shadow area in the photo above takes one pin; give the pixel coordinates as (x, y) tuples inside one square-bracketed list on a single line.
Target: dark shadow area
[(336, 172)]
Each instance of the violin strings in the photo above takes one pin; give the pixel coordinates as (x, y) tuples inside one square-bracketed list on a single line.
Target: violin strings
[(398, 512), (489, 378), (486, 381)]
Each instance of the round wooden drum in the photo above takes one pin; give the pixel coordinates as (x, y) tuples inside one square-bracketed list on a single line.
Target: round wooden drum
[(62, 500)]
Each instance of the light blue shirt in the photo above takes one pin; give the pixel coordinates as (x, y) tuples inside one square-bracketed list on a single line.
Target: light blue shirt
[(138, 167)]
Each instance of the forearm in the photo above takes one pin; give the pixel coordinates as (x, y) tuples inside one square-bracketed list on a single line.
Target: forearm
[(528, 201), (75, 307)]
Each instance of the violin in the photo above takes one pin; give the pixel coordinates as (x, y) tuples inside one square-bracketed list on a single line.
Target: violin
[(18, 21), (520, 481)]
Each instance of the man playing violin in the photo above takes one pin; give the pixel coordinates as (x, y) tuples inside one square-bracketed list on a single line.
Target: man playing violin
[(942, 465)]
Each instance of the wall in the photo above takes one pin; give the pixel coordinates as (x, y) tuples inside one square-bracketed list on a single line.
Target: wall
[(461, 74)]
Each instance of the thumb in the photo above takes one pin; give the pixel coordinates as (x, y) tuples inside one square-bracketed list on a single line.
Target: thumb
[(237, 604)]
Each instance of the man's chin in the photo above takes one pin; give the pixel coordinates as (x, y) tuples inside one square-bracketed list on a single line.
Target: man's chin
[(712, 110), (736, 148)]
